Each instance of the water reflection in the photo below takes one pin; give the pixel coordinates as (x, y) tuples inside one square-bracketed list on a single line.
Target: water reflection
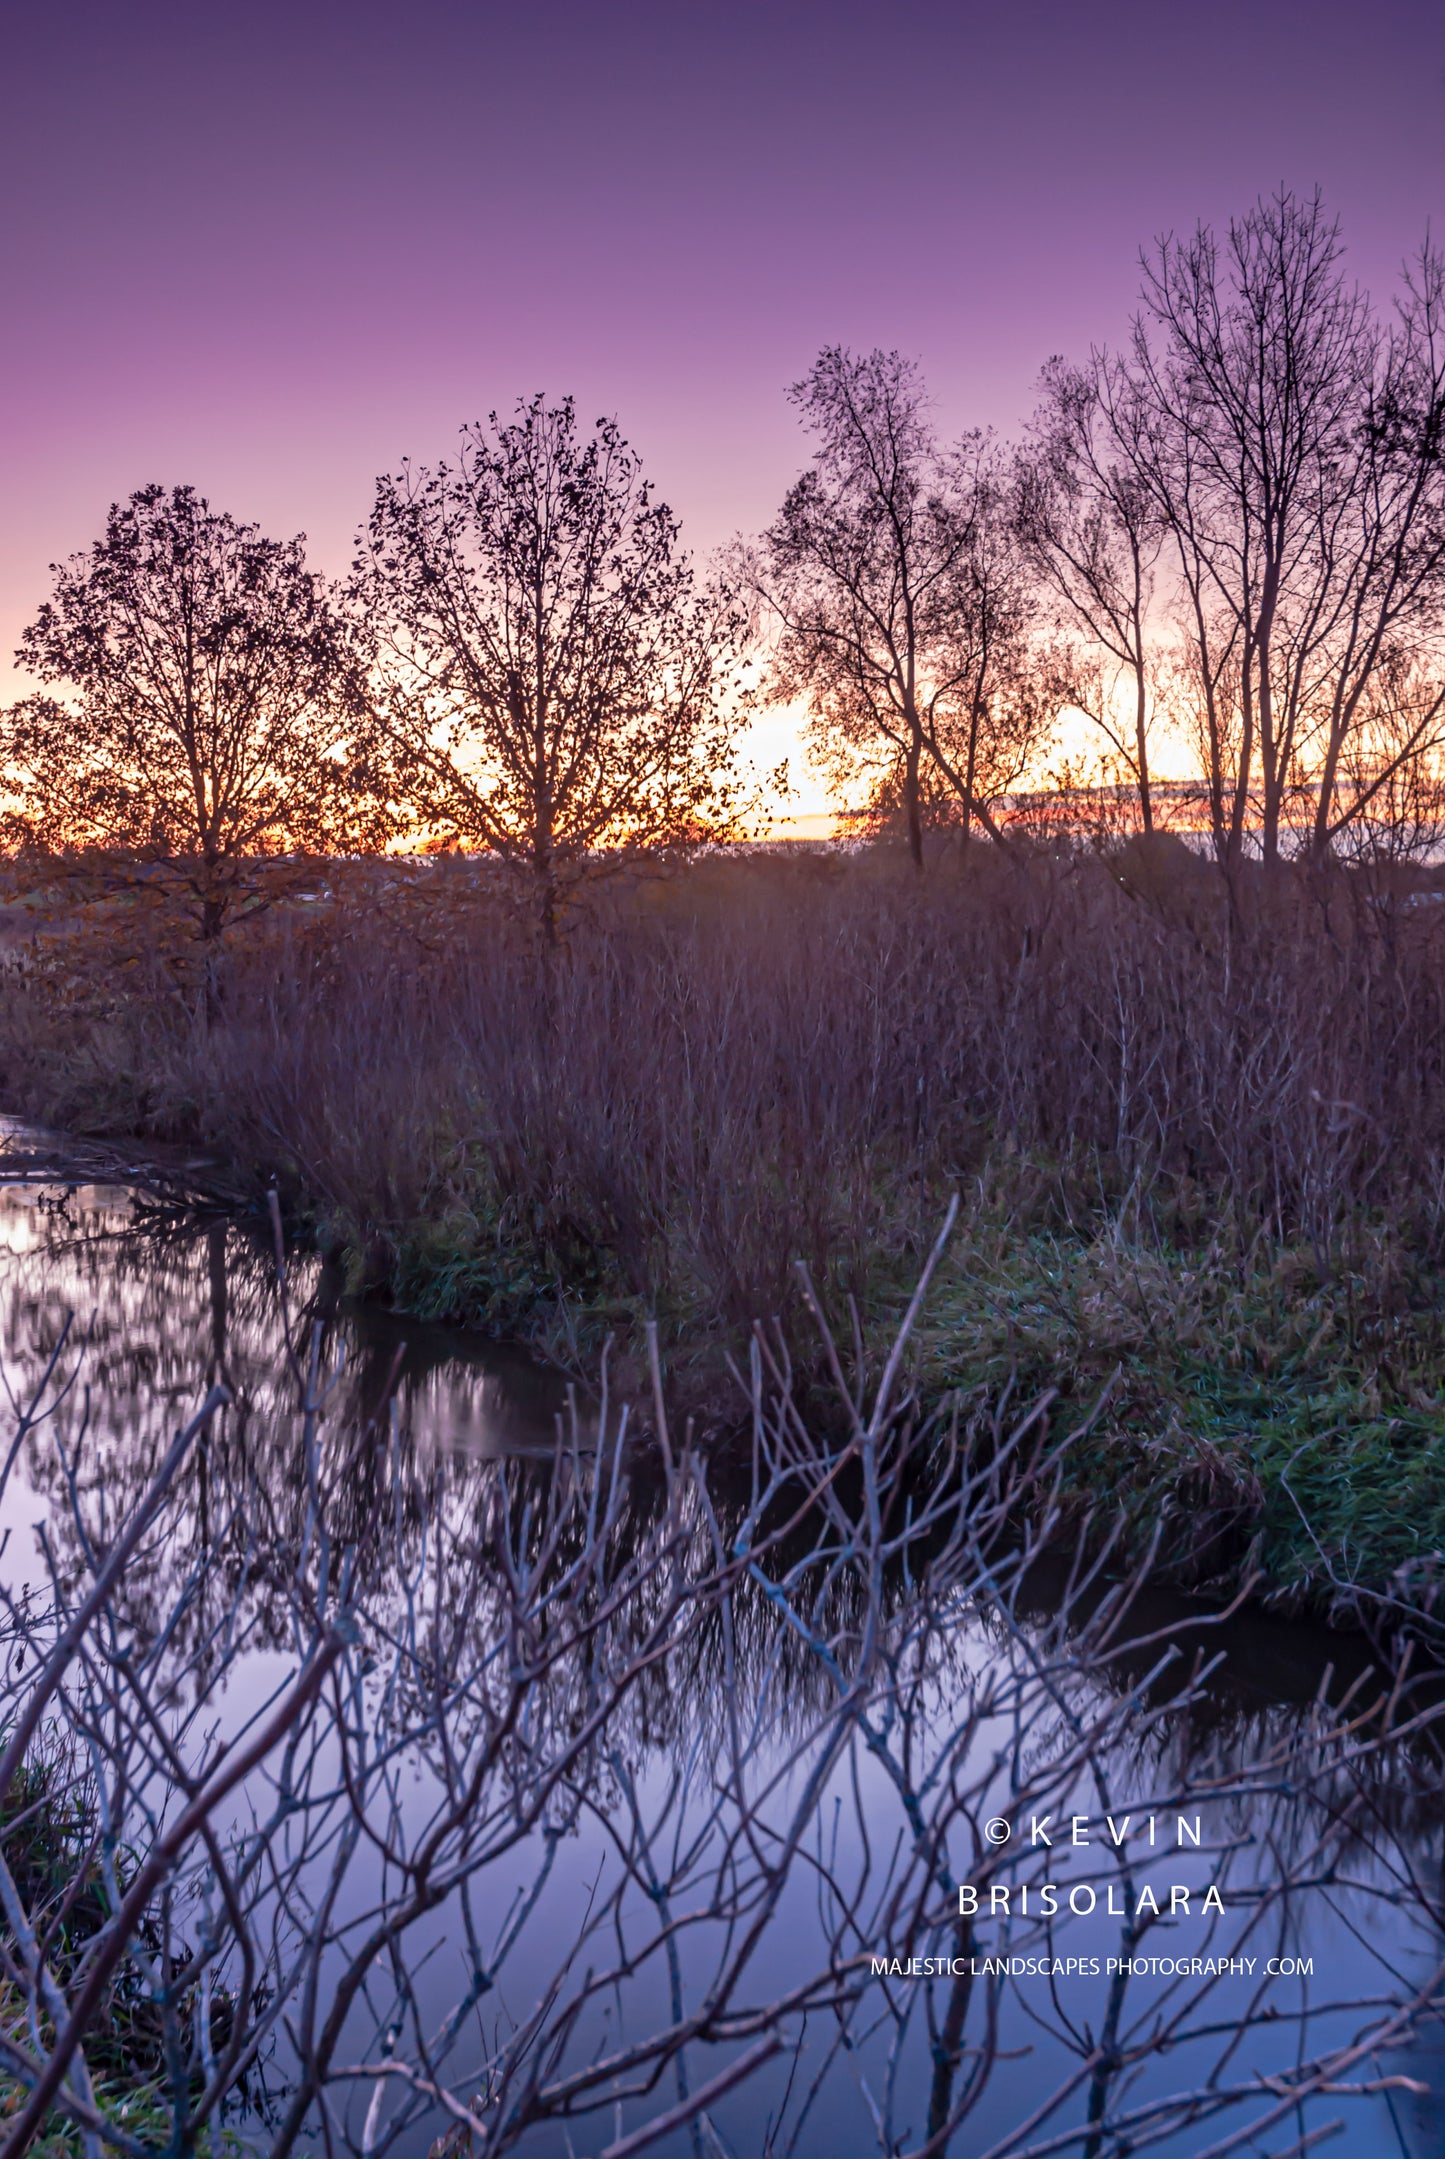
[(167, 1310), (995, 1692)]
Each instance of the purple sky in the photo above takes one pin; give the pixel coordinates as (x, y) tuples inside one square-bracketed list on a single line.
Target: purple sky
[(271, 249)]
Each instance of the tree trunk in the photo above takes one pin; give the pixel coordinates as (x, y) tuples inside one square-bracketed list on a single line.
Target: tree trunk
[(213, 922), (911, 803), (1271, 761), (971, 774), (1235, 850), (1141, 741), (1329, 775), (547, 908), (544, 859)]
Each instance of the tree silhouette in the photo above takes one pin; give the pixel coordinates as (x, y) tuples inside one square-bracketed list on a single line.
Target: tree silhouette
[(205, 730), (894, 582), (1292, 449), (549, 675), (1093, 533)]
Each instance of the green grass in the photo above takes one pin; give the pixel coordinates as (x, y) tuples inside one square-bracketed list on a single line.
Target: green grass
[(1202, 1149), (139, 2110), (48, 1826), (1253, 1413), (1266, 1418)]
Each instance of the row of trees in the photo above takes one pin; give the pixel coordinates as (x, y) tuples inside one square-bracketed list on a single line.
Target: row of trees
[(1235, 525), (523, 660)]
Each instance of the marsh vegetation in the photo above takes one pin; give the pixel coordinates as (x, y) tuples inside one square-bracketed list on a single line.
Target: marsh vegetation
[(1195, 1130)]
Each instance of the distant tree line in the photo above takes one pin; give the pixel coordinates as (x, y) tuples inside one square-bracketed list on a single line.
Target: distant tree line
[(1233, 526)]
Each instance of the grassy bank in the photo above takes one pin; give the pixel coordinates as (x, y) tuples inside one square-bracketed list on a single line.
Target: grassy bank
[(65, 1875), (1200, 1140)]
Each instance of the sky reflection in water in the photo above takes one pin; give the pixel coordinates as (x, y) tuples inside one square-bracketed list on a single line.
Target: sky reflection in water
[(163, 1315)]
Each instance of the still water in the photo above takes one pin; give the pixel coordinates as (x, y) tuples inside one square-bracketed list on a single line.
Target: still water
[(986, 1756)]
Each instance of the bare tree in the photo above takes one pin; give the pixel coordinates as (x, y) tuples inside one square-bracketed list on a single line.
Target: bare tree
[(1293, 453), (1250, 382), (895, 617), (1009, 684), (548, 674), (208, 732), (1093, 533), (1377, 691)]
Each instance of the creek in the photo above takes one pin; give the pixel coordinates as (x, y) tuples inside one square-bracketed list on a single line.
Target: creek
[(1092, 2030)]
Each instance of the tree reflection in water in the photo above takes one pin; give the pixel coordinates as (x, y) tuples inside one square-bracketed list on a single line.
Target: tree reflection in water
[(606, 1797)]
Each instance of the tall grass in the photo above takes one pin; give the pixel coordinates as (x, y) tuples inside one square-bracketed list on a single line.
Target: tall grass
[(767, 1060), (1199, 1135)]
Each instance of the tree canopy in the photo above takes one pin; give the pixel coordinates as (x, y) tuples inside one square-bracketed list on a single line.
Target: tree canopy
[(1290, 444), (891, 577), (548, 672), (204, 726)]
